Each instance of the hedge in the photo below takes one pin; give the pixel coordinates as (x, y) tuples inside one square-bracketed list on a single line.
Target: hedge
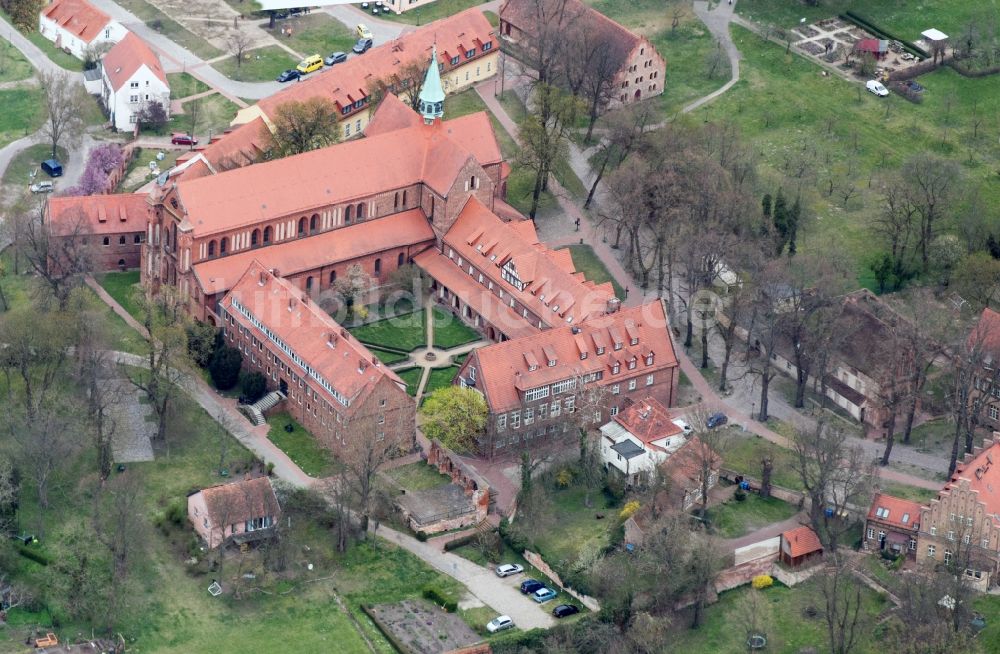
[(461, 541), (436, 595), (861, 21), (29, 553)]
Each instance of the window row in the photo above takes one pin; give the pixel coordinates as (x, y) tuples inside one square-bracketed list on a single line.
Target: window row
[(123, 240)]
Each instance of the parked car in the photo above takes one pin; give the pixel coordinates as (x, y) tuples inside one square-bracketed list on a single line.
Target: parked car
[(686, 428), (877, 88), (543, 595), (183, 139), (42, 187), (499, 623), (289, 75), (913, 86), (309, 64), (508, 569), (52, 168), (531, 585), (363, 31), (716, 420), (335, 58), (564, 610), (362, 46)]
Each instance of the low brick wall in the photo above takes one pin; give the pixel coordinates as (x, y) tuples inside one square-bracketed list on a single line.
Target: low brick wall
[(792, 577), (765, 549), (481, 648), (537, 561), (742, 574)]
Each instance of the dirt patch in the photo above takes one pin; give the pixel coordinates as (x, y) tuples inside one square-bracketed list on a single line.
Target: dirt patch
[(423, 628)]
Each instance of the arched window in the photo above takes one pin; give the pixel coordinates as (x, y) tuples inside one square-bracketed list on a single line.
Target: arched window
[(313, 223), (121, 240), (378, 267), (473, 183), (309, 283), (224, 245), (404, 199), (395, 201), (254, 238), (333, 276), (347, 214), (267, 234), (302, 226), (361, 211), (137, 239), (399, 260), (211, 248), (107, 240)]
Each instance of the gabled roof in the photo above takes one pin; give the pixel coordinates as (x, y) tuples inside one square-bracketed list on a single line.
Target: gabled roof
[(628, 449), (78, 17), (244, 145), (986, 334), (331, 352), (648, 420), (126, 57), (299, 255), (895, 511), (981, 470), (97, 214), (349, 82), (390, 115), (240, 501), (801, 541)]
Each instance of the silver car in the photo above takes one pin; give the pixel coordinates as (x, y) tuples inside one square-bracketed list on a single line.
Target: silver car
[(499, 623), (508, 569)]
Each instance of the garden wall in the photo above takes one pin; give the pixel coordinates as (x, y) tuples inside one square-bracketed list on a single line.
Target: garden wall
[(543, 567), (760, 550)]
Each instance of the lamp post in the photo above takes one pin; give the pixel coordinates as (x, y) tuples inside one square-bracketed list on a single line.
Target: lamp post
[(626, 292)]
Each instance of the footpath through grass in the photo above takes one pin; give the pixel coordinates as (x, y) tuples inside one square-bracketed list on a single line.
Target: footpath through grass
[(301, 446), (122, 287)]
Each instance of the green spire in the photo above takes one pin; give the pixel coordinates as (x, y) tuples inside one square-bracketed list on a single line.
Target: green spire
[(431, 94)]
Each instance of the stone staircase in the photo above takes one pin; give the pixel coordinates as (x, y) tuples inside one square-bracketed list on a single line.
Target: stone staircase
[(255, 412)]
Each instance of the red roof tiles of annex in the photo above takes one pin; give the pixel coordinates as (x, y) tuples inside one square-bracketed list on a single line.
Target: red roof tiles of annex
[(350, 81), (801, 541), (985, 336), (648, 420), (505, 368), (982, 470), (239, 501), (243, 145), (502, 250), (126, 57), (78, 17), (344, 364), (339, 173), (299, 255), (893, 510), (97, 214)]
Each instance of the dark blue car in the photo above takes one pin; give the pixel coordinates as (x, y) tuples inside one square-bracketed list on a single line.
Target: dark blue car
[(716, 420), (531, 585)]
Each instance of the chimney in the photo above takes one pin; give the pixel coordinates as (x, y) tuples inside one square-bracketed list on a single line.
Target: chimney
[(274, 271), (613, 305), (331, 340), (362, 365), (343, 332), (375, 361), (263, 278)]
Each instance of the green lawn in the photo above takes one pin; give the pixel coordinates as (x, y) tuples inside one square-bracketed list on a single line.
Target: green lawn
[(788, 630), (405, 332), (440, 378), (418, 476), (463, 103), (450, 331), (28, 160), (216, 113), (493, 18), (989, 638), (427, 13), (387, 357), (300, 446), (743, 454), (906, 492), (22, 113), (122, 286), (316, 33), (587, 262), (183, 85), (579, 530), (170, 28), (13, 65), (58, 57), (734, 519), (412, 378), (260, 65)]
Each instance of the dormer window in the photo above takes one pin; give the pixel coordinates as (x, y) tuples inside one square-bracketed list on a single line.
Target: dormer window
[(532, 368), (469, 54), (618, 345), (649, 359), (583, 355), (487, 45), (616, 368), (634, 341), (552, 363), (600, 349), (454, 61), (631, 364)]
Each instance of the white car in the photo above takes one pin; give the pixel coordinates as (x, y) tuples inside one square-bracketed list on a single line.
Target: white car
[(877, 88), (42, 187), (508, 569), (686, 428), (499, 623)]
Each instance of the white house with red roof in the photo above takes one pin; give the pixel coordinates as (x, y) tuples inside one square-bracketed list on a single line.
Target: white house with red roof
[(132, 79), (638, 438), (76, 25)]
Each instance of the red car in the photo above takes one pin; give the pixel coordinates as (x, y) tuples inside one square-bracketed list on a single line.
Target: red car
[(183, 139)]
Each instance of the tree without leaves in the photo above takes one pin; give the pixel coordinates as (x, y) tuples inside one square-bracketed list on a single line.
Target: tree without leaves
[(10, 494), (976, 376), (701, 455), (65, 104), (406, 82), (921, 625), (193, 111), (34, 353), (625, 129), (238, 42), (118, 524), (45, 443), (456, 417), (303, 126), (931, 182), (842, 600), (58, 255)]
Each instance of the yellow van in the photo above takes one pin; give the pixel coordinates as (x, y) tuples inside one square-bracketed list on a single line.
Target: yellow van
[(309, 64), (363, 31)]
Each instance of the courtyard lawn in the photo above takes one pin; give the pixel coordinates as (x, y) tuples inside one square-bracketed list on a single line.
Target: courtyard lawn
[(301, 446), (439, 378), (587, 262), (464, 103), (22, 114), (216, 113), (387, 357), (578, 530), (164, 24), (734, 519), (183, 85), (122, 286), (405, 332), (316, 33), (412, 378), (743, 454), (259, 65), (450, 331), (989, 606), (418, 476), (13, 66), (427, 13), (28, 160), (788, 629)]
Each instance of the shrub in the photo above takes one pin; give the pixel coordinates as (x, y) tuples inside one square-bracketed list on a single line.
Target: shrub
[(33, 555), (422, 536), (898, 563), (202, 342), (439, 597), (254, 386), (740, 495), (225, 368), (614, 488), (564, 478), (629, 509), (270, 468), (177, 512), (153, 115), (762, 581)]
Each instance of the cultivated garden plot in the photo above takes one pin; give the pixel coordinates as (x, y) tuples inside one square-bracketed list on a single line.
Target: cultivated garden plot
[(422, 628)]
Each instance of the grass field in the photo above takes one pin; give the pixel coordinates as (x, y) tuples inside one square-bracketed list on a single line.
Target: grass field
[(22, 113), (216, 113), (183, 85), (463, 103), (406, 332), (450, 331), (387, 357), (412, 378), (579, 530), (122, 286), (264, 64), (28, 160), (734, 519), (13, 66), (58, 57), (427, 13), (300, 446), (439, 378), (586, 261), (418, 476), (317, 33)]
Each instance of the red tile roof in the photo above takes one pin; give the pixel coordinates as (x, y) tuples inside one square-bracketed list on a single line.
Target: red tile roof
[(78, 17), (801, 541), (126, 57), (648, 420), (986, 334), (339, 173), (242, 146), (982, 470), (330, 351), (893, 510), (552, 289), (98, 214), (505, 368), (390, 115), (686, 466), (240, 501), (344, 244), (349, 82)]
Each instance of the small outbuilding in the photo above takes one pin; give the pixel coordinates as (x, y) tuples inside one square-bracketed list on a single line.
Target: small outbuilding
[(242, 511), (800, 546), (877, 48), (937, 42)]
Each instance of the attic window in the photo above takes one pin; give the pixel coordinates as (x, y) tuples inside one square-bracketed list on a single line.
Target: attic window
[(618, 345), (552, 363), (454, 61), (615, 369), (905, 519), (649, 359), (583, 355), (634, 341), (600, 349), (882, 512)]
